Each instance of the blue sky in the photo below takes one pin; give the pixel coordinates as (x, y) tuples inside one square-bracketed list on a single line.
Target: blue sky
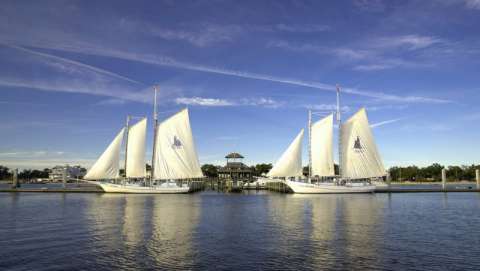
[(248, 71)]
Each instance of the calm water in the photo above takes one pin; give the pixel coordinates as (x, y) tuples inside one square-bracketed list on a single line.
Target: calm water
[(255, 231)]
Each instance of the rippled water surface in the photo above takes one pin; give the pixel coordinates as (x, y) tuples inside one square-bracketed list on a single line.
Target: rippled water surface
[(251, 231)]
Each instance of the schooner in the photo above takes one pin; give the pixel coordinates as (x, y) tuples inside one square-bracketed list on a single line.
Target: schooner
[(174, 158), (360, 165)]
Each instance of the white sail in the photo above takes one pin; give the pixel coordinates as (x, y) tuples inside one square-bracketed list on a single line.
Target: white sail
[(290, 163), (321, 147), (175, 154), (360, 157), (106, 167), (135, 166)]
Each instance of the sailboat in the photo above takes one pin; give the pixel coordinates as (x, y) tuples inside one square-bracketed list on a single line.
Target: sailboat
[(174, 158), (360, 163)]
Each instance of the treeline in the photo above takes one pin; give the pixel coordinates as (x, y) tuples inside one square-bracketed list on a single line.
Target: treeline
[(26, 174), (433, 173), (409, 173), (211, 171)]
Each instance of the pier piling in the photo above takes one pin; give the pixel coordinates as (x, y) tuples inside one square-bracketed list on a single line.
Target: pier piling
[(64, 177), (477, 174), (389, 179), (15, 183), (444, 178)]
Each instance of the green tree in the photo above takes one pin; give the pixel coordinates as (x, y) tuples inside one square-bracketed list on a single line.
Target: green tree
[(210, 171), (262, 169), (5, 173)]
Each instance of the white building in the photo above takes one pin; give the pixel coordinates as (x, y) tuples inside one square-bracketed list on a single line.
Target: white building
[(72, 172)]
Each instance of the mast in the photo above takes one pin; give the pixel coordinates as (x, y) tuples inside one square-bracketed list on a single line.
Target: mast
[(339, 123), (126, 146), (310, 146), (155, 124)]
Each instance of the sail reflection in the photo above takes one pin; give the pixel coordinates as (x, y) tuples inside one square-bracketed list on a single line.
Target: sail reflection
[(174, 222), (332, 231), (135, 217), (348, 225)]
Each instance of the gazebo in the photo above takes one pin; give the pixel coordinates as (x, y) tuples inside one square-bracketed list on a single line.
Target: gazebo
[(235, 169)]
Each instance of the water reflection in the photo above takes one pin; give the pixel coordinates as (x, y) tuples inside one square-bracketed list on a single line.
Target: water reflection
[(311, 225), (131, 227), (256, 231), (174, 220), (136, 214)]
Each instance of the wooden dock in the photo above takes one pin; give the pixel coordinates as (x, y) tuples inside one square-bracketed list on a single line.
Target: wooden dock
[(82, 188), (424, 190), (51, 190)]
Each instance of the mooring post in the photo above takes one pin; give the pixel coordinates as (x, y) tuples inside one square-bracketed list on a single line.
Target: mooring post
[(477, 174), (444, 178), (389, 179), (15, 183), (64, 177)]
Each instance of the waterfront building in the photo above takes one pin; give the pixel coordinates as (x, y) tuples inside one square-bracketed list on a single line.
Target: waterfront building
[(235, 169), (73, 172)]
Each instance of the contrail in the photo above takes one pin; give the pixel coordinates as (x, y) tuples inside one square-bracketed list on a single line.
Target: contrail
[(73, 62), (88, 49), (378, 124)]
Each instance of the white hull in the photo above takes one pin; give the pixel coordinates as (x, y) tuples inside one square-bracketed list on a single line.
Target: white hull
[(329, 188), (136, 189)]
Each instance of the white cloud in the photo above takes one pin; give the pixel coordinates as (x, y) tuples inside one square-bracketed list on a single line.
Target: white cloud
[(411, 42), (45, 163), (265, 102), (200, 35), (203, 101), (326, 107), (370, 5), (303, 28), (372, 67), (39, 159), (473, 4), (200, 101), (29, 154), (342, 52)]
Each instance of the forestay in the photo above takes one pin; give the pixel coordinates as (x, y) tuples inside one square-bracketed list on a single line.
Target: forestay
[(290, 163), (106, 167), (136, 150), (321, 147), (360, 157), (175, 154)]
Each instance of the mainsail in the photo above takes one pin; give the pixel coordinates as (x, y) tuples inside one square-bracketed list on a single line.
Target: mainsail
[(135, 166), (175, 154), (290, 163), (321, 147), (360, 157), (106, 167)]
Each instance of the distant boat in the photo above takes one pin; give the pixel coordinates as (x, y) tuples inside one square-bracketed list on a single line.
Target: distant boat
[(174, 158), (360, 164)]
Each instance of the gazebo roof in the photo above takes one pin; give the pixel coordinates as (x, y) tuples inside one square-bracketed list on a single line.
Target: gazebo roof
[(234, 155)]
